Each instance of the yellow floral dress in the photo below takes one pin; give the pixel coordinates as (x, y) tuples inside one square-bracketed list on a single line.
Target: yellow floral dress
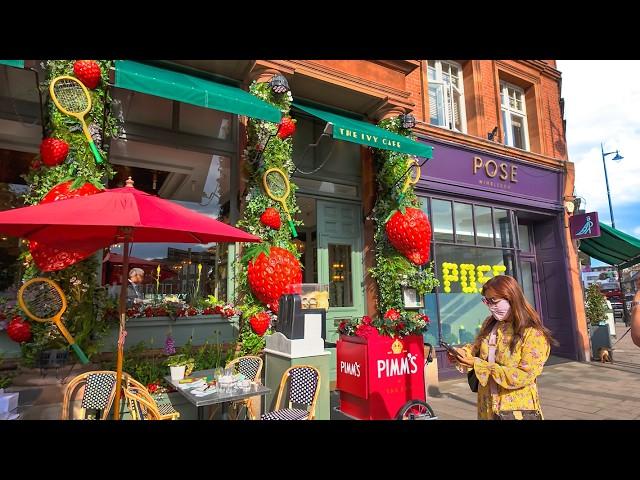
[(514, 373)]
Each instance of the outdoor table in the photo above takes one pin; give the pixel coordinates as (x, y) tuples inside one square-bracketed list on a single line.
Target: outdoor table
[(224, 398)]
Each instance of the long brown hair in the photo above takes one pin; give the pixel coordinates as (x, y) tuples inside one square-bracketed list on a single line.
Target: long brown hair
[(522, 314)]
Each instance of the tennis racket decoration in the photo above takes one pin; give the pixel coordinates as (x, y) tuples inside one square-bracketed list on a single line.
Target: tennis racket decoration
[(413, 175), (43, 300), (72, 98), (276, 185)]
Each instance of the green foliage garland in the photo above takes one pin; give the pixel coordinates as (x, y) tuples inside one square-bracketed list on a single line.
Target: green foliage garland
[(90, 311), (393, 270), (273, 152)]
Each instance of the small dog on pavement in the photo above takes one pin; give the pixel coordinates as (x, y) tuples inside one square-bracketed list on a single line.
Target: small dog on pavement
[(605, 356)]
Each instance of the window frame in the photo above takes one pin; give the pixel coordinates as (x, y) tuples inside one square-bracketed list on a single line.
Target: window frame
[(447, 90), (508, 112)]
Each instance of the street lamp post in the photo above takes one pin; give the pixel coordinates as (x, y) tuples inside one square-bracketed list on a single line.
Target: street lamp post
[(617, 158)]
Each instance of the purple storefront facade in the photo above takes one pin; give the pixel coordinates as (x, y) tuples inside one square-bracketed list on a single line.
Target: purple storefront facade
[(493, 215)]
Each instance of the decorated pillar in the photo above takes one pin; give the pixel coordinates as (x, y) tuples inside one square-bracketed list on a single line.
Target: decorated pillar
[(402, 234), (266, 270), (72, 162)]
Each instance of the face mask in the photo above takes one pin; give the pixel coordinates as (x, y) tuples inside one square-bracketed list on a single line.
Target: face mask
[(500, 310)]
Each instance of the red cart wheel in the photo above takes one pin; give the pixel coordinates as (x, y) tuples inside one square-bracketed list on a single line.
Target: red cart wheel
[(416, 410)]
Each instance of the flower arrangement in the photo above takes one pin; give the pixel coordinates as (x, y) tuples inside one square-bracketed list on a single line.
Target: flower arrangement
[(173, 307), (394, 323)]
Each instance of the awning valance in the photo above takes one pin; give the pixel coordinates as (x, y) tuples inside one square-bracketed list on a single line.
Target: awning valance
[(194, 90), (613, 247), (364, 133), (13, 63)]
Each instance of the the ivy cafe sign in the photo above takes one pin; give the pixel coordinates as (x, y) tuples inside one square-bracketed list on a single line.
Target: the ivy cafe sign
[(366, 138)]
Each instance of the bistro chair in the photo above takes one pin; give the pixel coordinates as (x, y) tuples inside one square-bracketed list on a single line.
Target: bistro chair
[(98, 392), (303, 385), (141, 408), (165, 410), (251, 367)]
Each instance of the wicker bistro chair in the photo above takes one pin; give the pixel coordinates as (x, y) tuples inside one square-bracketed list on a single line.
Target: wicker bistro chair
[(304, 387), (99, 394), (97, 397), (140, 406), (251, 367), (165, 410)]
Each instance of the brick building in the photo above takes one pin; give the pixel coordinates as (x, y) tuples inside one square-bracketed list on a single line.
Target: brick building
[(494, 190)]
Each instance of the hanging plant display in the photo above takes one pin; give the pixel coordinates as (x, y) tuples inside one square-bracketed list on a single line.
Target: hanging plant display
[(72, 171), (402, 231), (267, 270)]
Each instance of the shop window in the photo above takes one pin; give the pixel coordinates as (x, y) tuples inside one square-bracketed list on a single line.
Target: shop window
[(514, 116), (205, 121), (13, 164), (442, 220), (463, 214), (460, 271), (484, 226), (197, 181), (340, 284), (524, 237), (504, 237), (446, 95)]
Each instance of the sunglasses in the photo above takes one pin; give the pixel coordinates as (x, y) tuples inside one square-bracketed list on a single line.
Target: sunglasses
[(490, 301)]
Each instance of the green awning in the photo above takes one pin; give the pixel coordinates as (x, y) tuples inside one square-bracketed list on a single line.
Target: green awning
[(364, 133), (613, 247), (13, 63), (189, 89)]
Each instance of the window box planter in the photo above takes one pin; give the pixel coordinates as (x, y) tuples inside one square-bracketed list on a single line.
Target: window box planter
[(153, 331)]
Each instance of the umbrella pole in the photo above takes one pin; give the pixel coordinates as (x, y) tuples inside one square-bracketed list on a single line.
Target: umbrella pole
[(123, 318)]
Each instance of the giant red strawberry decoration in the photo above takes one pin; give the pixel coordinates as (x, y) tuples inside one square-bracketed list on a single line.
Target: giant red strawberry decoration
[(286, 128), (271, 272), (410, 234), (271, 218), (19, 330), (88, 72), (49, 259), (53, 151), (260, 323)]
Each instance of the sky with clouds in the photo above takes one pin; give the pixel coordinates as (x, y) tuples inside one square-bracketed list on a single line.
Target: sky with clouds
[(602, 98)]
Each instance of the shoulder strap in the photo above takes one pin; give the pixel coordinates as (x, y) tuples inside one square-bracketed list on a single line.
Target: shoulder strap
[(493, 340)]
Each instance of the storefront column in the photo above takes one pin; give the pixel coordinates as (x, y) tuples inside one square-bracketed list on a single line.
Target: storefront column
[(574, 276)]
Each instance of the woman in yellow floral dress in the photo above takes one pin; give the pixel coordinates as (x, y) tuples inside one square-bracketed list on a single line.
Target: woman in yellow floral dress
[(522, 348)]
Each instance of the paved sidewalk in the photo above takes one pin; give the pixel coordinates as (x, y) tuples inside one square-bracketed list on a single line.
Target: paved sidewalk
[(568, 390)]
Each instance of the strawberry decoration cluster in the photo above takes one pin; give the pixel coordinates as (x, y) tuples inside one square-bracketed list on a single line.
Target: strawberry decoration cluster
[(266, 270), (66, 167), (402, 241)]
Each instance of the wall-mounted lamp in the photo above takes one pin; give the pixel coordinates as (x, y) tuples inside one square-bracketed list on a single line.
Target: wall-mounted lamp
[(407, 120), (492, 133), (279, 84)]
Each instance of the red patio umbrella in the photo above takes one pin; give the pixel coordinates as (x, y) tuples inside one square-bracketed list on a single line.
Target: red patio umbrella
[(119, 215)]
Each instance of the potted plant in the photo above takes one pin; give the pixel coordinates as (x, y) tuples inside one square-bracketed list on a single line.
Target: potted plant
[(180, 366), (596, 311)]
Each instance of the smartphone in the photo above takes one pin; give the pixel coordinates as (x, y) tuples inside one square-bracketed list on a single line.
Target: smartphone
[(450, 348)]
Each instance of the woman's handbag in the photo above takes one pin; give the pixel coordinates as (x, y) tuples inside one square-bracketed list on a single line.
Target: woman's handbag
[(473, 380)]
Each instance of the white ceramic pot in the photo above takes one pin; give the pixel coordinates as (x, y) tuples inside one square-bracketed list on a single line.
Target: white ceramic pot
[(177, 373)]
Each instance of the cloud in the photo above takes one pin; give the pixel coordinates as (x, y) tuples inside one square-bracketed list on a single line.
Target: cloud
[(601, 102), (636, 231)]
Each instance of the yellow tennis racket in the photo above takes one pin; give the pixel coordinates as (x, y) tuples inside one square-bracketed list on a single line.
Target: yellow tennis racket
[(276, 184), (44, 301), (72, 98), (413, 175)]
